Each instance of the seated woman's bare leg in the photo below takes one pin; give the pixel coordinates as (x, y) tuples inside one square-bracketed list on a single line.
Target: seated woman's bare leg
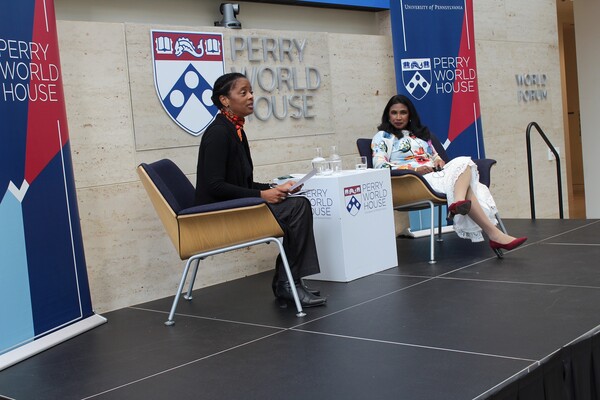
[(478, 215), (462, 184)]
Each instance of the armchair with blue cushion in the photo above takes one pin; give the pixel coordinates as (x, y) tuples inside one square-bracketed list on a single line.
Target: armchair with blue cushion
[(411, 192), (201, 231)]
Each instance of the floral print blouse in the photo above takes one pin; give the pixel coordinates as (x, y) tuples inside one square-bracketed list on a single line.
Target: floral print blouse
[(408, 152)]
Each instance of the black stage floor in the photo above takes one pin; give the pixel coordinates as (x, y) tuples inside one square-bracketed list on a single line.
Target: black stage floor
[(453, 330)]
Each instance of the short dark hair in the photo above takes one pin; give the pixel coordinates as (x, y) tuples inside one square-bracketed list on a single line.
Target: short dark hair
[(223, 86), (414, 122)]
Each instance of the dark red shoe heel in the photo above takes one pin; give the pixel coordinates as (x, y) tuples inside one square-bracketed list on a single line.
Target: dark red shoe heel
[(461, 207), (498, 247)]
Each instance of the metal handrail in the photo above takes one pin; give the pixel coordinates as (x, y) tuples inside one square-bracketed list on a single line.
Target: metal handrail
[(530, 169)]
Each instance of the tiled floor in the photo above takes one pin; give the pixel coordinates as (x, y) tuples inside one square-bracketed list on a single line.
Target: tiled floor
[(452, 330)]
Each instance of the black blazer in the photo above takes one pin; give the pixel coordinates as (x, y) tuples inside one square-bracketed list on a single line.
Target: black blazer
[(225, 169)]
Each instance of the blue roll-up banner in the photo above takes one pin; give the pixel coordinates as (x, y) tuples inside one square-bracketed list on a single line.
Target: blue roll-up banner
[(434, 53), (44, 291)]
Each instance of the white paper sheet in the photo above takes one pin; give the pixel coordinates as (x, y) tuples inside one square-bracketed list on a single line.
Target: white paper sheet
[(304, 179)]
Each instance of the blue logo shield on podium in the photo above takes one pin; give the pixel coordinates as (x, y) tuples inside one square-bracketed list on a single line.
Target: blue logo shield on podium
[(353, 205)]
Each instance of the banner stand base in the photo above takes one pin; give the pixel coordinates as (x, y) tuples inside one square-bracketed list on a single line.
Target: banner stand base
[(44, 343)]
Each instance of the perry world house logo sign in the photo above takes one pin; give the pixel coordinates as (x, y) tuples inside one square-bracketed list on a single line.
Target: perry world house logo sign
[(351, 196), (186, 65), (416, 76)]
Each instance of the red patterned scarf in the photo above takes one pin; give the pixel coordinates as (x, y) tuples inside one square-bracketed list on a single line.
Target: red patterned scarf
[(237, 121)]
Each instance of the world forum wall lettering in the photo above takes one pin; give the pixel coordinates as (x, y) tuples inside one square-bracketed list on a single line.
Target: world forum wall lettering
[(284, 87), (532, 87)]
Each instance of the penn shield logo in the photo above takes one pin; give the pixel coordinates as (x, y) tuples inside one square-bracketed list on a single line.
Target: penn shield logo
[(351, 195), (416, 76), (186, 66)]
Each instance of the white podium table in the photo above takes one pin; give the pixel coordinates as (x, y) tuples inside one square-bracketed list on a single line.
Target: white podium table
[(353, 223)]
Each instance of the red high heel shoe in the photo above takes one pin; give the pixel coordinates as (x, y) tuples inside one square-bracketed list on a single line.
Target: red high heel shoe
[(498, 247), (461, 207)]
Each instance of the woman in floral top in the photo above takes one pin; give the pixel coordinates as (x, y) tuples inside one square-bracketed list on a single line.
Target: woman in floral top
[(403, 143)]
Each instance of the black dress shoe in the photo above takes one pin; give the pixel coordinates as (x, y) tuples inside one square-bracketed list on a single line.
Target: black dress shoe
[(316, 292), (283, 291)]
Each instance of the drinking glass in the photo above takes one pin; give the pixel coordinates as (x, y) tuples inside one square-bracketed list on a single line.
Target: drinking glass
[(336, 166), (333, 153), (335, 159), (325, 168), (318, 157), (361, 162)]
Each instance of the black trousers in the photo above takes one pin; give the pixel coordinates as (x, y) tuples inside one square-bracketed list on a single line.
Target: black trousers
[(295, 217)]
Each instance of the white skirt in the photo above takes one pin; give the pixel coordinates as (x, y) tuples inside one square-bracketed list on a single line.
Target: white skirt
[(444, 182)]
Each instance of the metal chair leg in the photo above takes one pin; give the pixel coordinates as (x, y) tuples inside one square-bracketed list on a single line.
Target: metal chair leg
[(502, 227), (439, 238), (188, 296), (202, 256), (170, 321), (290, 278), (432, 233)]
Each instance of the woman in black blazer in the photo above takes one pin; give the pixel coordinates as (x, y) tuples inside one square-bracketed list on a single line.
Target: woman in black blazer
[(225, 172)]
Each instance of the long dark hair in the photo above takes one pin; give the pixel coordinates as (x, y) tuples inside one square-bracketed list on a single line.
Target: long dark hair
[(414, 122), (223, 86)]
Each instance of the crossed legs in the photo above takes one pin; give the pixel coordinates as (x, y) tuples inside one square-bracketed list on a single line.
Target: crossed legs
[(463, 191)]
